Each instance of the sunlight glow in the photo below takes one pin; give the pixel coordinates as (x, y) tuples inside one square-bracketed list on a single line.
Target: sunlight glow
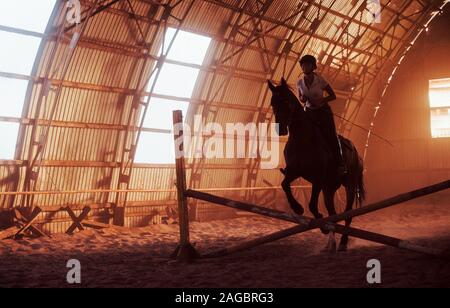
[(174, 81), (440, 93), (188, 47), (31, 15), (155, 148), (12, 96), (9, 133), (17, 56), (160, 113), (18, 52), (440, 108)]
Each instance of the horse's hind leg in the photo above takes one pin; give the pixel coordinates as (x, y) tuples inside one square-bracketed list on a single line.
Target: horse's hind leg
[(314, 202), (295, 205), (328, 196), (350, 192)]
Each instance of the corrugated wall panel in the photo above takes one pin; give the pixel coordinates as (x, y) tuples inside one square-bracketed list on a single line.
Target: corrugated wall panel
[(417, 159)]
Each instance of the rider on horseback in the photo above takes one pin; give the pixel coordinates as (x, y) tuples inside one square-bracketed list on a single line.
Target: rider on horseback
[(311, 89)]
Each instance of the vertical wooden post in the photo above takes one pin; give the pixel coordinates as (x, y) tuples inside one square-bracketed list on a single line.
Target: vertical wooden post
[(185, 251)]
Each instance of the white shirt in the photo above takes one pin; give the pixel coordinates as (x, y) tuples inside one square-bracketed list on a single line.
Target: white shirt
[(315, 92)]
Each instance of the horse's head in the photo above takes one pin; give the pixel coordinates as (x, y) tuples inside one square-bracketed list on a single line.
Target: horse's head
[(283, 103)]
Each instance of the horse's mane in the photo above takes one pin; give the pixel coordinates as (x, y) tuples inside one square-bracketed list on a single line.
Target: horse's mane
[(292, 95)]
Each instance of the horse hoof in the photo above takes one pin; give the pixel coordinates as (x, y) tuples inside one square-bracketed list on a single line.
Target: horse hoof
[(333, 249), (342, 248), (329, 250)]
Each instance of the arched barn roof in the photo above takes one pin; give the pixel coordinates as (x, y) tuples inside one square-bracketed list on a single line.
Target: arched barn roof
[(91, 91)]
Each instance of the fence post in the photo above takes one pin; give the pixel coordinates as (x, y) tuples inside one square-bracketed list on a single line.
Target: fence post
[(185, 251)]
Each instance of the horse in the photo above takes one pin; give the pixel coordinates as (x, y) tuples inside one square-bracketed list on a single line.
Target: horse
[(308, 156)]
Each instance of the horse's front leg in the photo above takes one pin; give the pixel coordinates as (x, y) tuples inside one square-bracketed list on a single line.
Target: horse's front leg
[(314, 201), (314, 204), (295, 205), (329, 203)]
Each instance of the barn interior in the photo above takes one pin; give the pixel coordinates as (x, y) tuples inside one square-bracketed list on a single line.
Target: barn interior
[(88, 161)]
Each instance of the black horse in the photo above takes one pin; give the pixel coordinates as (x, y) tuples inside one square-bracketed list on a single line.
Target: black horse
[(308, 156)]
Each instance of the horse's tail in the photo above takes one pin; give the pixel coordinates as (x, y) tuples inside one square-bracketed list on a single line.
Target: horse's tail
[(361, 188)]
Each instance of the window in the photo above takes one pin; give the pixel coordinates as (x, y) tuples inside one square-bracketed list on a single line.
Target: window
[(9, 133), (30, 15), (156, 148), (160, 113), (18, 52), (17, 55), (440, 108), (12, 95), (174, 81), (188, 47)]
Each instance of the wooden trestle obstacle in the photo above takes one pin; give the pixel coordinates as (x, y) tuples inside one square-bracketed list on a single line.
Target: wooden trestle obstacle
[(186, 252)]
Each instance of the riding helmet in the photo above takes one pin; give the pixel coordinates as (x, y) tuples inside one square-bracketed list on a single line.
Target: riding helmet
[(309, 59)]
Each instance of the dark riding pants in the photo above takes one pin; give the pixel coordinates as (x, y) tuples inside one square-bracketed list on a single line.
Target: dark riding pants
[(323, 118)]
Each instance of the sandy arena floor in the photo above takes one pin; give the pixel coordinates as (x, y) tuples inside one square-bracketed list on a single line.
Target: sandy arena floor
[(120, 257)]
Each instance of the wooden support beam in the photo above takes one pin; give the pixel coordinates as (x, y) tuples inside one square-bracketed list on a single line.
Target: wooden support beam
[(95, 225), (242, 206), (77, 220), (7, 233), (330, 223), (27, 222), (185, 251), (144, 191), (100, 164)]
